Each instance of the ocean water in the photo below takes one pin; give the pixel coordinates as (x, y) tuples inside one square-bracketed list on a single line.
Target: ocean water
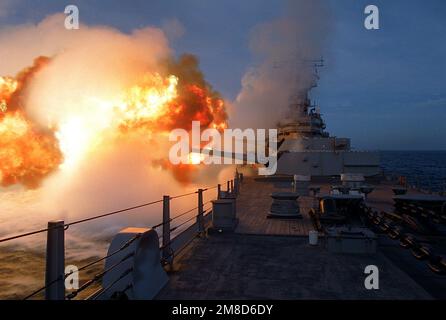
[(424, 169)]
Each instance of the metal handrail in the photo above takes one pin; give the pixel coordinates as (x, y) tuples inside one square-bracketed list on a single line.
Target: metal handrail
[(80, 221), (96, 278), (67, 225), (124, 246)]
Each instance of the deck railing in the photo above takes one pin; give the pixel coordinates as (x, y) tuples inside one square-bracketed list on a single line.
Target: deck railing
[(195, 225)]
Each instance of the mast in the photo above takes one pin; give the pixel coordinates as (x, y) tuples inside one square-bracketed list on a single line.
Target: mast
[(304, 119)]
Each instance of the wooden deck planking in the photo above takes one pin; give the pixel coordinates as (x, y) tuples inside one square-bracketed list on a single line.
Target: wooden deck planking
[(237, 266), (253, 208), (268, 266), (254, 204), (262, 266)]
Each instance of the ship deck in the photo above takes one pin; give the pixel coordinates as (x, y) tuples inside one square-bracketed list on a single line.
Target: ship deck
[(253, 205), (271, 259)]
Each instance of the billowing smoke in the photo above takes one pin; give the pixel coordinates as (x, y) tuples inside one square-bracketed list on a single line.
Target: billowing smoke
[(93, 94), (281, 49)]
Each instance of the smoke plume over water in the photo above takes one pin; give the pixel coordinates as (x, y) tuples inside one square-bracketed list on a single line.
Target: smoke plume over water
[(80, 104), (104, 163), (280, 48), (92, 93)]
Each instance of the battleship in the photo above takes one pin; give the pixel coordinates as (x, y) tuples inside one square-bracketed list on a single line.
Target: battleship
[(314, 230), (307, 149)]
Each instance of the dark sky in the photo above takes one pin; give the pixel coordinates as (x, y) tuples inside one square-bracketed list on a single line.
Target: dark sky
[(386, 89)]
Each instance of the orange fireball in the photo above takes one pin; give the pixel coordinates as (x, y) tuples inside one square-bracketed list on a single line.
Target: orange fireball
[(26, 155), (149, 109)]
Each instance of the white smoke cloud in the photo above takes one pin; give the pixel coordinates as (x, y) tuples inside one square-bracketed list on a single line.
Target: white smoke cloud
[(107, 46), (98, 62), (280, 48)]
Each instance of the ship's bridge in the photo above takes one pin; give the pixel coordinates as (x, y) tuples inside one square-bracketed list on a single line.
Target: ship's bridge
[(303, 125)]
